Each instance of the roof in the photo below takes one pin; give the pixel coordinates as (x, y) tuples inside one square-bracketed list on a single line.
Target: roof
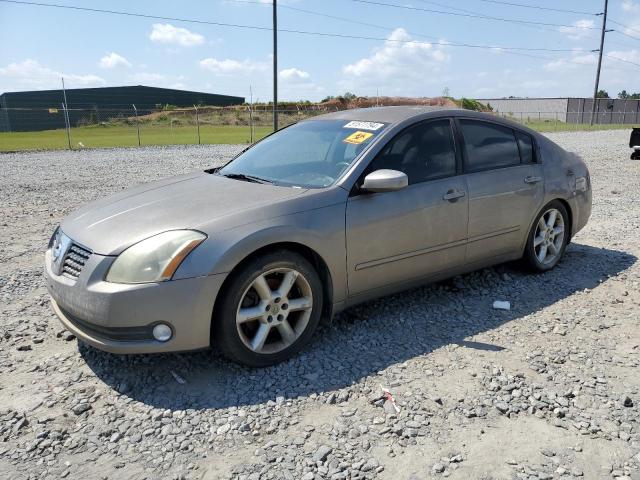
[(385, 114), (396, 115), (109, 88)]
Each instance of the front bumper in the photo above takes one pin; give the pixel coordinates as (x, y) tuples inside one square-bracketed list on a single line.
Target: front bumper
[(119, 318)]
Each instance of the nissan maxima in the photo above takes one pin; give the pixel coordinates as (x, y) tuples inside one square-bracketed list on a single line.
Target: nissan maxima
[(324, 214)]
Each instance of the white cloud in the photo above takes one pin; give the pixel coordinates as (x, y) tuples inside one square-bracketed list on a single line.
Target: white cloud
[(580, 29), (294, 75), (631, 11), (112, 60), (171, 35), (630, 6), (577, 60), (400, 66), (232, 67), (153, 79), (29, 74), (625, 55), (148, 77)]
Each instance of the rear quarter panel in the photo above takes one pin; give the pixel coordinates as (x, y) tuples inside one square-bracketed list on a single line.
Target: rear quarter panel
[(566, 177)]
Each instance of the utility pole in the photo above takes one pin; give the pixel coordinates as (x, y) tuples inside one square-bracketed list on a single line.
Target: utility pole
[(66, 114), (600, 52), (137, 121), (275, 66), (250, 114)]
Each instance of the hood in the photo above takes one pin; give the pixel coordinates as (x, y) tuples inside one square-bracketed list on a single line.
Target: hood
[(193, 201)]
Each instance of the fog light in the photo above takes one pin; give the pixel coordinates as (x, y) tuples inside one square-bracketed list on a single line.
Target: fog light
[(162, 332)]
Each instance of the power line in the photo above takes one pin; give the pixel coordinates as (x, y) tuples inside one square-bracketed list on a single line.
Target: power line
[(301, 32), (457, 9), (356, 22), (625, 34), (536, 7), (473, 15), (334, 17), (387, 28), (621, 44), (622, 60), (140, 15), (507, 50), (624, 26), (448, 7)]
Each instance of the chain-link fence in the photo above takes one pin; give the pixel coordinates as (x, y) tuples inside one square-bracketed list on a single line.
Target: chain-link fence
[(57, 127), (77, 128), (580, 120)]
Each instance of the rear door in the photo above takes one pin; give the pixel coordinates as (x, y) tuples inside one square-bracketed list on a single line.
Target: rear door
[(505, 185), (415, 232)]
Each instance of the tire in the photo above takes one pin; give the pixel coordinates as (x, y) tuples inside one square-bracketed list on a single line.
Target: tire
[(540, 241), (250, 320)]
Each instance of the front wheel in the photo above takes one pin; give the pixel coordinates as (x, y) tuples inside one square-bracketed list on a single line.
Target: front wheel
[(548, 237), (269, 309)]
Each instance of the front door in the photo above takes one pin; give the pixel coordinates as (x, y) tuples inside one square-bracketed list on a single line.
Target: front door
[(413, 233)]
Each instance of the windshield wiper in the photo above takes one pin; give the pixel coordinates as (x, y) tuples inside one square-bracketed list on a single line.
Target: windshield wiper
[(246, 178)]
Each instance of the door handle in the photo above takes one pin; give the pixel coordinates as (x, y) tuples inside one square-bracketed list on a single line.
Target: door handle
[(532, 179), (453, 195)]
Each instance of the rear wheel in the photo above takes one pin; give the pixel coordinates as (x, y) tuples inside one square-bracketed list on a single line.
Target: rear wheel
[(269, 309), (548, 237)]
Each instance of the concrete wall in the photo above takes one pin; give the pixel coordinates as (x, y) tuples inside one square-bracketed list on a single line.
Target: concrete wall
[(530, 108)]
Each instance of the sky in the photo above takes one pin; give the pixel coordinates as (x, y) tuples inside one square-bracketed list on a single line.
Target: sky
[(409, 51)]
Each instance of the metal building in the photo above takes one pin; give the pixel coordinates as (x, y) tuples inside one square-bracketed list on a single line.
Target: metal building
[(43, 109), (568, 110)]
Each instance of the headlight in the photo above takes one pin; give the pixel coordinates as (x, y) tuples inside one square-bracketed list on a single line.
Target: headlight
[(54, 238), (155, 259)]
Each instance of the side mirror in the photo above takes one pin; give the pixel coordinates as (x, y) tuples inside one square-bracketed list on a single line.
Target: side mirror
[(385, 181)]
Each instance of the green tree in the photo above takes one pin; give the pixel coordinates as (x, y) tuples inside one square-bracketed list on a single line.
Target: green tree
[(623, 94), (602, 94)]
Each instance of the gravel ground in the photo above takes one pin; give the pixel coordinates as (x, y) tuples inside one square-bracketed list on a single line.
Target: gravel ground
[(549, 389)]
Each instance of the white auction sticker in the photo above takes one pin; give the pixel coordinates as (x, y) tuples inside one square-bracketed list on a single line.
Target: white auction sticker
[(364, 125)]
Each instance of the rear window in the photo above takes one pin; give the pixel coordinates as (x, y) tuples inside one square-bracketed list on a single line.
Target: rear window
[(488, 146), (525, 143)]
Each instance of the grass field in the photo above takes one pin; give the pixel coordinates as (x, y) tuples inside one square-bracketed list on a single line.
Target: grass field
[(126, 136), (97, 136), (551, 126)]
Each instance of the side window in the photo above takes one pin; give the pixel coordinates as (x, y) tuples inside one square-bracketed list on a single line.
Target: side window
[(488, 146), (424, 151), (525, 143)]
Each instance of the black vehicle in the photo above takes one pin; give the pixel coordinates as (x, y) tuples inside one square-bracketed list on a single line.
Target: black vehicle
[(634, 142)]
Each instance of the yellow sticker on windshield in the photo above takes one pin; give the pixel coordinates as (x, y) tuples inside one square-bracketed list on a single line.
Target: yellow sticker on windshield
[(358, 137)]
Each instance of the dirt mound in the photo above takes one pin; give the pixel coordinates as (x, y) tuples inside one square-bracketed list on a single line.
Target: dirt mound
[(365, 102)]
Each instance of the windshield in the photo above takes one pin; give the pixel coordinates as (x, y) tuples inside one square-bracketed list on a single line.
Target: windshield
[(310, 154)]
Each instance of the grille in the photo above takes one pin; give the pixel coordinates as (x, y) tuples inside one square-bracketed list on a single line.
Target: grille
[(75, 260)]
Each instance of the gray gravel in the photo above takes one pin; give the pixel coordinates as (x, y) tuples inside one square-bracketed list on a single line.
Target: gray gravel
[(549, 389)]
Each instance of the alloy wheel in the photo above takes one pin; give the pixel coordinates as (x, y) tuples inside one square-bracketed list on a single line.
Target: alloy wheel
[(549, 236), (274, 310)]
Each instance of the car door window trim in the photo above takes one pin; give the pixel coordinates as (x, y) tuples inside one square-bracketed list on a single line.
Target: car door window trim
[(355, 191), (465, 154)]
